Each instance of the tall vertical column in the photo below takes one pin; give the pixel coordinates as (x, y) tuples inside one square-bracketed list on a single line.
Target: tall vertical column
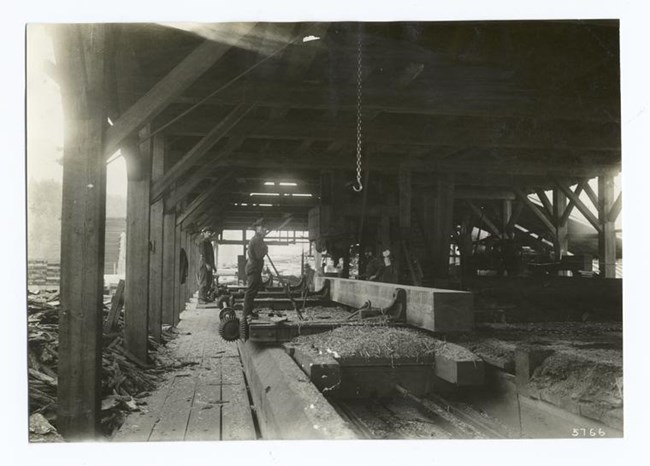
[(156, 243), (188, 280), (405, 193), (506, 215), (443, 211), (607, 238), (168, 267), (136, 291), (80, 56), (561, 242), (178, 287), (215, 248)]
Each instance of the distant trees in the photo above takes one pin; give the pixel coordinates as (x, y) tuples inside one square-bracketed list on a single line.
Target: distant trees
[(44, 218)]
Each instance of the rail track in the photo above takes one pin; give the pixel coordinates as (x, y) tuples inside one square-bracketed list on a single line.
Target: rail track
[(405, 416)]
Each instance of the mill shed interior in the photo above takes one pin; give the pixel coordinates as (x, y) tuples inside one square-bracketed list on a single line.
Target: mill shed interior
[(484, 155)]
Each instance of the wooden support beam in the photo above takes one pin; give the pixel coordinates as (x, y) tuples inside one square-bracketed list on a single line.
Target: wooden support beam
[(548, 207), (412, 101), (171, 86), (514, 217), (569, 208), (615, 211), (78, 51), (607, 233), (136, 296), (178, 242), (593, 197), (482, 215), (205, 195), (493, 174), (168, 267), (199, 150), (482, 193), (584, 210), (202, 172), (443, 215), (506, 215), (523, 197), (560, 243), (156, 241), (215, 204), (405, 195)]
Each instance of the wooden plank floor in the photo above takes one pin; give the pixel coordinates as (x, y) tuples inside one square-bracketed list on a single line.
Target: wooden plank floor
[(206, 400)]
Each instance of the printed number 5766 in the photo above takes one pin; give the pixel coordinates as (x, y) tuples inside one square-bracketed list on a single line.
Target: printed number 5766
[(584, 432)]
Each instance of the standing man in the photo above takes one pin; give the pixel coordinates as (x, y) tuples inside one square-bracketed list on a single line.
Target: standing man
[(206, 272), (257, 249), (374, 267)]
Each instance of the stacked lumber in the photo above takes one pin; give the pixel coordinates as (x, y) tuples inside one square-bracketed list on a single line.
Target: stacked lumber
[(125, 380)]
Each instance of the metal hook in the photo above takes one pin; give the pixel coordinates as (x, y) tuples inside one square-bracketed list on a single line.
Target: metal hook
[(360, 188)]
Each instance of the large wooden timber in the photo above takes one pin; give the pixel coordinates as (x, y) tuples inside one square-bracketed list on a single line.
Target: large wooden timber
[(169, 263), (136, 293), (432, 309), (607, 234), (288, 405), (156, 243), (79, 52), (171, 86)]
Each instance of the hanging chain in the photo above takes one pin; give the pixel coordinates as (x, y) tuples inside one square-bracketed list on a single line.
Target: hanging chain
[(359, 186)]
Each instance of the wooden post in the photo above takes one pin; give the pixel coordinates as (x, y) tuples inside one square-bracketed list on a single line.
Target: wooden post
[(156, 243), (606, 237), (404, 179), (561, 243), (190, 263), (178, 288), (80, 55), (215, 248), (506, 208), (443, 211), (168, 267), (136, 295)]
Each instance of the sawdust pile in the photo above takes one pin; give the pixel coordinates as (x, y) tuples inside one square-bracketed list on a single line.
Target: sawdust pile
[(567, 376), (372, 342)]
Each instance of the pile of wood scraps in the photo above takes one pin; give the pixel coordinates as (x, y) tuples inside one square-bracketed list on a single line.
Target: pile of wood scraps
[(125, 381)]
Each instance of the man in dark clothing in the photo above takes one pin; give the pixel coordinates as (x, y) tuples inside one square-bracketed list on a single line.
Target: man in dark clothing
[(206, 271), (374, 267), (257, 249)]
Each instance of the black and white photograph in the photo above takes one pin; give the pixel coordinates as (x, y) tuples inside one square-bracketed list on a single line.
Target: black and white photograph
[(337, 229)]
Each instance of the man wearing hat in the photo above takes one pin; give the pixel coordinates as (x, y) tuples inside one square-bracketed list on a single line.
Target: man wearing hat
[(257, 249)]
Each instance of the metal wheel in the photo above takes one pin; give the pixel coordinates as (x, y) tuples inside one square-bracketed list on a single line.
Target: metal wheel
[(227, 312), (229, 328)]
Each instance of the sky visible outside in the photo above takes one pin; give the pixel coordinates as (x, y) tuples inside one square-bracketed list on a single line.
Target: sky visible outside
[(45, 118)]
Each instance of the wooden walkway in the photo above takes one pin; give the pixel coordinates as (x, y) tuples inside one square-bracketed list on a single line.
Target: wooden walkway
[(206, 400)]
